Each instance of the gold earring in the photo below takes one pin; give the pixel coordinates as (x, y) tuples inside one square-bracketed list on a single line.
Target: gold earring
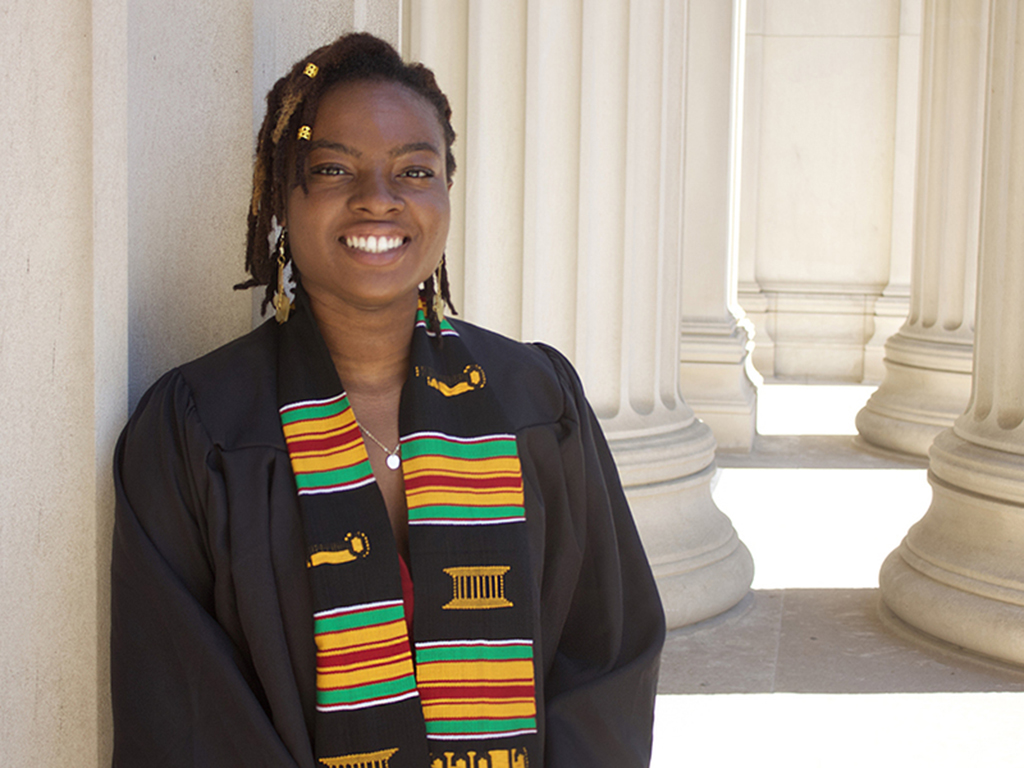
[(282, 304)]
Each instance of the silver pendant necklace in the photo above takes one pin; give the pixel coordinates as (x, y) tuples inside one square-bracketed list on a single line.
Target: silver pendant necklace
[(393, 460)]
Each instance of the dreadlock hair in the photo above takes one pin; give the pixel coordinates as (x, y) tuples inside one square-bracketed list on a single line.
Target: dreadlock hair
[(292, 103)]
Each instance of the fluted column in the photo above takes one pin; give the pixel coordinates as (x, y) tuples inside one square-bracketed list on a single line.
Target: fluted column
[(495, 146), (959, 573), (575, 190), (928, 361), (665, 455), (893, 306), (714, 346)]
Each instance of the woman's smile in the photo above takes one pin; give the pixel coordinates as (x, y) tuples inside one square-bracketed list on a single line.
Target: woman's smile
[(373, 244)]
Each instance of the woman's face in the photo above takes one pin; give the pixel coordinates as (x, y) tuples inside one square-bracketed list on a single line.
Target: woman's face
[(374, 223)]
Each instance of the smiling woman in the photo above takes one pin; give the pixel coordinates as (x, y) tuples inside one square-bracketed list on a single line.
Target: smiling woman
[(364, 534)]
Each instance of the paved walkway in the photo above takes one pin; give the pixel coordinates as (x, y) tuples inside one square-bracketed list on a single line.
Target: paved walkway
[(810, 669)]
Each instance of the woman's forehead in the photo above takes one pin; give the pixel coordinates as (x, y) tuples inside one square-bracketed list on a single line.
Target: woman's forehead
[(377, 105)]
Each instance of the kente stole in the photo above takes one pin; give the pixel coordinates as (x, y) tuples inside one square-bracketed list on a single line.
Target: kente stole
[(462, 688)]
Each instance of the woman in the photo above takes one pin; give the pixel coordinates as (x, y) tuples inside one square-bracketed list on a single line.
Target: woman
[(363, 534)]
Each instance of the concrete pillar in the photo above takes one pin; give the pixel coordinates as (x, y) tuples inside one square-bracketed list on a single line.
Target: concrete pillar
[(959, 573), (437, 32), (124, 231), (928, 362), (62, 366), (893, 306), (749, 295), (820, 222), (714, 346), (574, 206)]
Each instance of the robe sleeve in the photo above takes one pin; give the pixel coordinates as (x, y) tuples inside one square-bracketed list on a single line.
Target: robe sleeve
[(183, 690), (601, 683)]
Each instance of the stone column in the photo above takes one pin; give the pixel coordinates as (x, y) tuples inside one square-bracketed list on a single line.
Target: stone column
[(714, 346), (437, 32), (893, 306), (959, 573), (574, 203), (749, 294), (822, 123), (56, 399), (928, 362)]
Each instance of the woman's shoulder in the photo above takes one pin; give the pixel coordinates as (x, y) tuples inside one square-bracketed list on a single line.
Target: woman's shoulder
[(231, 391), (536, 380)]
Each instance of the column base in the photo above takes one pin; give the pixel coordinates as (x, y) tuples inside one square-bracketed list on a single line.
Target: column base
[(819, 330), (927, 386), (959, 573), (755, 306), (701, 567), (714, 382), (962, 618), (891, 312)]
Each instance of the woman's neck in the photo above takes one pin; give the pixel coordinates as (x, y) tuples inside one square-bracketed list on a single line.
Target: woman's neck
[(370, 347)]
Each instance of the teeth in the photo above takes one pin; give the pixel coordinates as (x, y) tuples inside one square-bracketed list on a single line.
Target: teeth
[(373, 244)]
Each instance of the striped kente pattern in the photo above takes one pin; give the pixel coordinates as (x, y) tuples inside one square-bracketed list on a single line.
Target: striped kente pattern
[(362, 656), (462, 480), (473, 689), (421, 322), (325, 446)]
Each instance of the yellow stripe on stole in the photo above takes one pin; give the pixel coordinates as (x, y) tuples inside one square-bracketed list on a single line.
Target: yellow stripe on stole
[(369, 646), (326, 427), (446, 476), (432, 464), (358, 677), (316, 462), (428, 497), (477, 710), (454, 685), (297, 445), (346, 639), (323, 669), (445, 671)]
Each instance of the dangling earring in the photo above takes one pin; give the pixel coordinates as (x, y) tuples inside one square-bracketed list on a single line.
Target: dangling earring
[(282, 304), (438, 298)]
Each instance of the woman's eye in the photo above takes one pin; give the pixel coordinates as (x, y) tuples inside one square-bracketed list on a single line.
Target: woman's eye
[(327, 170)]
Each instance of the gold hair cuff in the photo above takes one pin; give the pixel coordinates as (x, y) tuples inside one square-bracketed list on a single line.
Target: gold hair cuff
[(311, 70), (305, 132)]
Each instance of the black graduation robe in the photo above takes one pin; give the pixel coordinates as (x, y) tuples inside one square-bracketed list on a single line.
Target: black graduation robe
[(212, 652)]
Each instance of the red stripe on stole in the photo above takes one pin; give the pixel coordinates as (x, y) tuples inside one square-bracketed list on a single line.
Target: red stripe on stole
[(464, 481), (430, 692), (387, 653), (363, 667), (314, 443)]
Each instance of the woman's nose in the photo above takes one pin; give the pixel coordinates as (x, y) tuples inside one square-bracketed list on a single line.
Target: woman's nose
[(375, 194)]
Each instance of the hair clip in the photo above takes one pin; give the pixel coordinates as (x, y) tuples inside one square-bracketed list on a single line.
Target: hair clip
[(305, 132), (311, 70)]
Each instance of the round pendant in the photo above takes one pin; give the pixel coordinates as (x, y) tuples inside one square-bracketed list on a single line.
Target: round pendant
[(393, 461)]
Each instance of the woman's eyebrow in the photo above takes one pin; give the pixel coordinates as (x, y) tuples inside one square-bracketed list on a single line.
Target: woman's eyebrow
[(416, 146), (336, 146)]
